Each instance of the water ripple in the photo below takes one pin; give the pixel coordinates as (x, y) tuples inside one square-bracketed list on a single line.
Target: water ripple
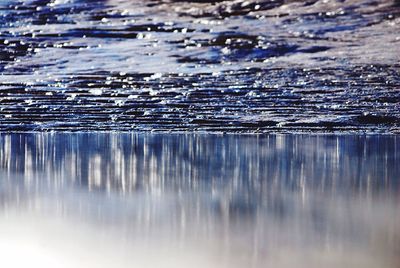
[(226, 66)]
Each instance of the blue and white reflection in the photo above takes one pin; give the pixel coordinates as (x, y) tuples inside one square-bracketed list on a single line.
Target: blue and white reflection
[(143, 200)]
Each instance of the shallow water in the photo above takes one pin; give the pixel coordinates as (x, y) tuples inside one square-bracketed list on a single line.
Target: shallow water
[(151, 200), (222, 66)]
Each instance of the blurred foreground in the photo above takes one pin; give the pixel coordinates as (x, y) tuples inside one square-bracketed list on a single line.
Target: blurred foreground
[(143, 200)]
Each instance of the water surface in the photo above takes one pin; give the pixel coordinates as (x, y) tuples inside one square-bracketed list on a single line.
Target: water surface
[(216, 66), (151, 200)]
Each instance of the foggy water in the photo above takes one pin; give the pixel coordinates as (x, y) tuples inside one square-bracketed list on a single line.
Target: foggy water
[(220, 66), (193, 200)]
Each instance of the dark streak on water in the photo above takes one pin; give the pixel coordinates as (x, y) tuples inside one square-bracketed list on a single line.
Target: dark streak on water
[(226, 66)]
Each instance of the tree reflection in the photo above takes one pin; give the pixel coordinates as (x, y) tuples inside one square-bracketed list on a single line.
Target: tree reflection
[(151, 162)]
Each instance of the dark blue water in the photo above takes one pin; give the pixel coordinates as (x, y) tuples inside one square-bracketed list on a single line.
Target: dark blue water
[(214, 66)]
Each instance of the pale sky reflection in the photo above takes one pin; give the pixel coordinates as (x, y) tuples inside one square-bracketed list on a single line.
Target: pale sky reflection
[(143, 200)]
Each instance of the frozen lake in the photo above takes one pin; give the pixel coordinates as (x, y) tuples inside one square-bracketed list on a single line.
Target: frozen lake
[(194, 200)]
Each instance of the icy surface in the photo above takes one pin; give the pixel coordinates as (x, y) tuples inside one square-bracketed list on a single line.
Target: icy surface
[(230, 66)]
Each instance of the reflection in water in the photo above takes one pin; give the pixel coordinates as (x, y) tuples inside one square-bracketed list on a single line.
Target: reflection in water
[(145, 200)]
